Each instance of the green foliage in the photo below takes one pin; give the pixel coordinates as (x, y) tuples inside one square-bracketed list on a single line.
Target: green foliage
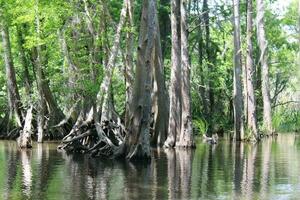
[(286, 120), (216, 72), (200, 125)]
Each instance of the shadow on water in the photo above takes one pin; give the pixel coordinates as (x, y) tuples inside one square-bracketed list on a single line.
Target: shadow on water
[(268, 170)]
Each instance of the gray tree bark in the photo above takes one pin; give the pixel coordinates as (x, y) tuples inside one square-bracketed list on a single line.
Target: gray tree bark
[(160, 104), (251, 101), (174, 128), (138, 142), (262, 43), (186, 135), (237, 81)]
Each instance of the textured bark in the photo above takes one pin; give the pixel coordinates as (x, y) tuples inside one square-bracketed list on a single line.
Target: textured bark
[(138, 142), (251, 101), (14, 103), (237, 82), (160, 106), (262, 43), (186, 135), (175, 82)]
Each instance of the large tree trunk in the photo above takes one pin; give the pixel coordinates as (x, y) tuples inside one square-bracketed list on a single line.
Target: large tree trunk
[(186, 135), (237, 82), (251, 101), (138, 142), (14, 103), (175, 82), (262, 43)]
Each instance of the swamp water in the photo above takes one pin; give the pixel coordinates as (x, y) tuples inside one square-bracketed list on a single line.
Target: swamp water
[(269, 170)]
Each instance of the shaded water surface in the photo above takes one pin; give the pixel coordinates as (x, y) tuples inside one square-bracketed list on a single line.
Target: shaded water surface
[(269, 170)]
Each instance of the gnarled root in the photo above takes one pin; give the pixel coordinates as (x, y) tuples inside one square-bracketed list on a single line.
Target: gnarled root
[(98, 139)]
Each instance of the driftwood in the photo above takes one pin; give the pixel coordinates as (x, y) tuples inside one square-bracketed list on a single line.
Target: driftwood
[(24, 140), (211, 140)]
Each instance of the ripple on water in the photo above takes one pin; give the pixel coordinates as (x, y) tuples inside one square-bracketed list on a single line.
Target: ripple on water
[(268, 170)]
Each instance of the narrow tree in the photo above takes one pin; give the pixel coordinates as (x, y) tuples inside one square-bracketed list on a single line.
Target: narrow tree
[(237, 74), (160, 107), (72, 70), (128, 69), (251, 101), (209, 57), (262, 43), (175, 82), (202, 88), (103, 96)]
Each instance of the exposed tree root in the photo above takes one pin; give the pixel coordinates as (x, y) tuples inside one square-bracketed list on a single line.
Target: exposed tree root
[(105, 139)]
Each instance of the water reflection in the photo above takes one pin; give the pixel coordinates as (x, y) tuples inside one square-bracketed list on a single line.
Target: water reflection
[(227, 170), (26, 172), (179, 173), (248, 171)]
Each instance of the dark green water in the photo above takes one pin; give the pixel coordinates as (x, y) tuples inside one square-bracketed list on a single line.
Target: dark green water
[(269, 170)]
